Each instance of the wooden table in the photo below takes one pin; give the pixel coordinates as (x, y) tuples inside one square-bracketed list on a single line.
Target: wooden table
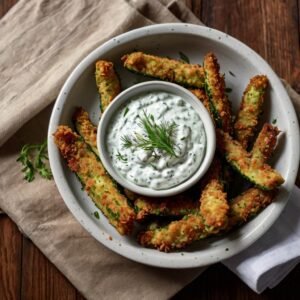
[(270, 27)]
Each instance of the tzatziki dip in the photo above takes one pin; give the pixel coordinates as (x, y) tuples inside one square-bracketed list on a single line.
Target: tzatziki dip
[(157, 140)]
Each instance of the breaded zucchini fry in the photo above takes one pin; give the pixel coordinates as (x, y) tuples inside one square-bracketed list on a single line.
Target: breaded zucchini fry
[(213, 201), (179, 234), (248, 205), (86, 128), (94, 179), (250, 110), (215, 89), (253, 200), (192, 227), (175, 235), (214, 207), (165, 69), (265, 143), (201, 95), (263, 176), (174, 206), (107, 82)]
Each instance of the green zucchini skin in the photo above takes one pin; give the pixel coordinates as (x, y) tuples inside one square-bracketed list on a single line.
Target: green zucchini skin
[(86, 129), (107, 82), (261, 175), (220, 105), (251, 107), (265, 143), (95, 181), (165, 69)]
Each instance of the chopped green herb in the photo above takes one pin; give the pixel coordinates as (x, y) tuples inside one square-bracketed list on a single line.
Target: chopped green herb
[(125, 111), (127, 143), (228, 90), (183, 57), (274, 121), (120, 157), (231, 73), (33, 157), (96, 215)]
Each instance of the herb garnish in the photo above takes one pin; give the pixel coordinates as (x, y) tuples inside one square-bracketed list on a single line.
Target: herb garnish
[(183, 57), (228, 90), (125, 111), (231, 73), (274, 121), (119, 156), (157, 136), (96, 215), (33, 157)]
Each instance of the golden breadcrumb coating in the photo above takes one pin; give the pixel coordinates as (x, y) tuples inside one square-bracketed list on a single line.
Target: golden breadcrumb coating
[(86, 128), (94, 179), (251, 106), (262, 176), (215, 89), (165, 69), (107, 82)]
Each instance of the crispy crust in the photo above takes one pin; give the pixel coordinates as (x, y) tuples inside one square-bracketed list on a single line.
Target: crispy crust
[(263, 176), (107, 82), (248, 205), (179, 205), (94, 179), (213, 201), (176, 235), (86, 128), (201, 95), (250, 109), (214, 207), (215, 89), (179, 234), (165, 69), (265, 143)]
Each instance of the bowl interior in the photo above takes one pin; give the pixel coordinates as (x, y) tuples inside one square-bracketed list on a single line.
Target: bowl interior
[(120, 102), (238, 63)]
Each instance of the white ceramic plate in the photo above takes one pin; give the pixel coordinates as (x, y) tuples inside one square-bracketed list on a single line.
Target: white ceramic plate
[(239, 63)]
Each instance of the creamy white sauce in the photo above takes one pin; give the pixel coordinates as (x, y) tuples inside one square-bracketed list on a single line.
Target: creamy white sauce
[(157, 170)]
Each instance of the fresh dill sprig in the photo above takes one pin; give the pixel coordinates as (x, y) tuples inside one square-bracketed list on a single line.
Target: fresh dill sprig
[(157, 136), (33, 157)]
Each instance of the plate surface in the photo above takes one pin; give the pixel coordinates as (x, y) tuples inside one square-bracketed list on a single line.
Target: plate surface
[(238, 63)]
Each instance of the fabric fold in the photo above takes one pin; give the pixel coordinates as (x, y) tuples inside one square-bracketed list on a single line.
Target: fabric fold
[(275, 254)]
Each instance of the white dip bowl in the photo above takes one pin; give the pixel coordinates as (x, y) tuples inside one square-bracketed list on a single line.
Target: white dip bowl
[(120, 102)]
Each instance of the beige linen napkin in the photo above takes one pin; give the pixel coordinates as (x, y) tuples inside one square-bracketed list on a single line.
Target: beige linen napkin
[(41, 42)]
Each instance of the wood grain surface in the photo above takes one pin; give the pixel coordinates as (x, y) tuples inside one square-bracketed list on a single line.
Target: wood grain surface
[(270, 27)]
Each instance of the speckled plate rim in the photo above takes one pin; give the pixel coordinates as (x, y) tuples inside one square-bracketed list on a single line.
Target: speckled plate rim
[(151, 257)]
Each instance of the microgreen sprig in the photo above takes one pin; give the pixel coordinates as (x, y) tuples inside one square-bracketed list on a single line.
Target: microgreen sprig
[(33, 157)]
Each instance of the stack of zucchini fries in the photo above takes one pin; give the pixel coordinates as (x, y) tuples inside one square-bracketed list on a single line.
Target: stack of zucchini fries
[(207, 209)]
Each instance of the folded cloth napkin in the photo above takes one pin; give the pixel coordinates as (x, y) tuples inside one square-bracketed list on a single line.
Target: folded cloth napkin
[(275, 254), (37, 55)]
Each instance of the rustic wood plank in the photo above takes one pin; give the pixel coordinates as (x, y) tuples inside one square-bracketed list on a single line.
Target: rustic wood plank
[(10, 259), (40, 278), (269, 27), (218, 283), (5, 5)]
